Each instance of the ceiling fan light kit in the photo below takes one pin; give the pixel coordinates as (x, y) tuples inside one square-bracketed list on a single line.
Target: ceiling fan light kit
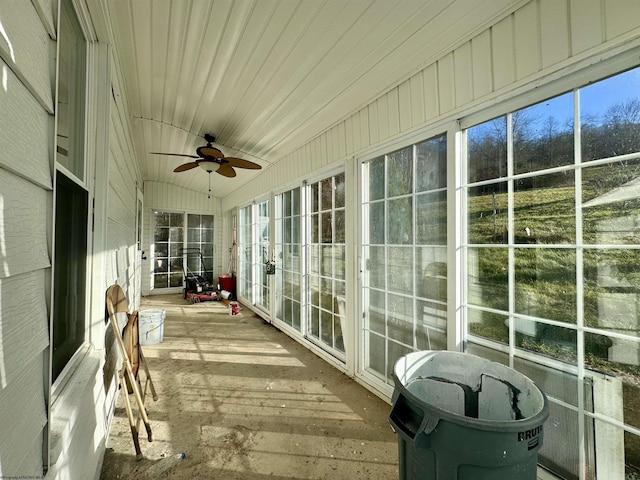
[(211, 160), (209, 165)]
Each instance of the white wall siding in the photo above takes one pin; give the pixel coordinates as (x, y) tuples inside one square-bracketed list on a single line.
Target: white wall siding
[(23, 408), (26, 48), (26, 101), (541, 38), (23, 120), (24, 326), (23, 225)]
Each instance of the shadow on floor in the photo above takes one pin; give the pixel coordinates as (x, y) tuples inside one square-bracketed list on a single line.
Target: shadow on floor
[(245, 401)]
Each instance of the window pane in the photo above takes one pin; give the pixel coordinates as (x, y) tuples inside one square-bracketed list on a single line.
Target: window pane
[(400, 318), (543, 135), (400, 221), (374, 311), (375, 267), (315, 191), (544, 209), (488, 277), (69, 289), (339, 226), (431, 164), (339, 190), (545, 283), (612, 290), (487, 150), (376, 179), (327, 227), (376, 222), (487, 208), (431, 218), (326, 187), (400, 170), (611, 203), (549, 340), (400, 269), (431, 273), (71, 93), (488, 325), (610, 116)]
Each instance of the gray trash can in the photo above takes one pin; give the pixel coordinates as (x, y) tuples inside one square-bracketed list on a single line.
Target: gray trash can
[(462, 417)]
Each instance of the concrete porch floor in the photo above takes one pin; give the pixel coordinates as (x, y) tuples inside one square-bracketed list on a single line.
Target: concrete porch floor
[(245, 401)]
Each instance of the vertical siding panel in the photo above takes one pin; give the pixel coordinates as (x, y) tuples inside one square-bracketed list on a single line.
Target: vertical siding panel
[(357, 137), (621, 16), (430, 88), (481, 64), (394, 112), (463, 75), (586, 24), (404, 104), (417, 99), (342, 141), (383, 117), (502, 42), (364, 128), (322, 141), (317, 152), (374, 129), (527, 40), (446, 84), (335, 133), (330, 151), (554, 22), (348, 125)]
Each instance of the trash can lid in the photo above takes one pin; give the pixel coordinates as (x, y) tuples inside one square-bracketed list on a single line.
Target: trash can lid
[(453, 384)]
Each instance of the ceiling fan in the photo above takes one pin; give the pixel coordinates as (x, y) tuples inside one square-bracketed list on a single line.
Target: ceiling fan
[(210, 159)]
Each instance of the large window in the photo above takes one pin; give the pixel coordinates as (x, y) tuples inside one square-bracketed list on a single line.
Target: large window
[(552, 249), (71, 196), (177, 250), (325, 261), (404, 232), (288, 262)]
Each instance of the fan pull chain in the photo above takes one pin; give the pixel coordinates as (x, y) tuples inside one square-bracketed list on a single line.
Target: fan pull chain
[(209, 185)]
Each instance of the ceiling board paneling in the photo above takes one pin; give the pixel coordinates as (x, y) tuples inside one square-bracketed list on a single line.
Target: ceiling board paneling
[(267, 76)]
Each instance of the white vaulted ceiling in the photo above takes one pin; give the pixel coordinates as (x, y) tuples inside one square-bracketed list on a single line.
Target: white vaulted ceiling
[(266, 76)]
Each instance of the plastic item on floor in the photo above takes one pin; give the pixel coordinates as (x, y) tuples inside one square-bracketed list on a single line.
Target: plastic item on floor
[(151, 326), (164, 464), (462, 417)]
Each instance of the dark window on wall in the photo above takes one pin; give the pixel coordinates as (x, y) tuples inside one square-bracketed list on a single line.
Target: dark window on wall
[(70, 271), (71, 197)]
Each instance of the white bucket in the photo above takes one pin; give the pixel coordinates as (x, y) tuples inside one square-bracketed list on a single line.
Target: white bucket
[(151, 326)]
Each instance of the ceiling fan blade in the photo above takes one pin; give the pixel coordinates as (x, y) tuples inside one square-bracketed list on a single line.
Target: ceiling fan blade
[(186, 166), (208, 151), (226, 170), (241, 163), (174, 154)]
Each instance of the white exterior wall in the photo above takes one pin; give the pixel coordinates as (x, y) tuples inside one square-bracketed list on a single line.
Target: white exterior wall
[(540, 42), (26, 106), (71, 437)]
